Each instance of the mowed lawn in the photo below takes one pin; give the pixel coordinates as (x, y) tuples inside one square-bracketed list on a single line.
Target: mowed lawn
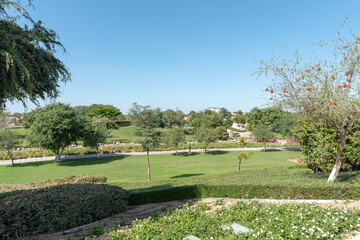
[(134, 168)]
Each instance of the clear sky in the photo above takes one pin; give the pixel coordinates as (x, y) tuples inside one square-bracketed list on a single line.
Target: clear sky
[(185, 54)]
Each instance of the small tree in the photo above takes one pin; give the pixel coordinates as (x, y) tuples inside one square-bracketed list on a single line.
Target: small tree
[(145, 122), (107, 124), (173, 137), (262, 134), (95, 138), (56, 126), (243, 156), (205, 136), (8, 142)]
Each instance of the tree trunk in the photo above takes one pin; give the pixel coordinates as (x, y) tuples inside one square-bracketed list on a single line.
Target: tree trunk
[(239, 165), (205, 150), (341, 144), (108, 133), (148, 164), (57, 156), (26, 138), (264, 147), (176, 152), (97, 151), (12, 158)]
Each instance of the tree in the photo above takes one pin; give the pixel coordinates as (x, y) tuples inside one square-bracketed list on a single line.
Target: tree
[(145, 122), (224, 113), (263, 116), (107, 124), (173, 137), (243, 156), (100, 110), (95, 137), (205, 136), (262, 133), (56, 126), (173, 118), (284, 125), (324, 90), (8, 141), (208, 119), (29, 69)]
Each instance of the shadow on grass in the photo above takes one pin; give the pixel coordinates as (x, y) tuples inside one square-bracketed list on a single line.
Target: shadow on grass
[(187, 175), (89, 161), (216, 152), (185, 154)]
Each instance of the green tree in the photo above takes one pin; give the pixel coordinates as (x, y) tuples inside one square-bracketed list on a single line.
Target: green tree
[(263, 134), (243, 156), (241, 119), (145, 122), (284, 125), (173, 137), (224, 113), (173, 118), (221, 133), (29, 68), (8, 142), (205, 136), (95, 137), (107, 124), (208, 119), (56, 126), (325, 90), (100, 110), (263, 116)]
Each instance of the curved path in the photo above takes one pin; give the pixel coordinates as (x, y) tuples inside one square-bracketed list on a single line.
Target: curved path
[(41, 159)]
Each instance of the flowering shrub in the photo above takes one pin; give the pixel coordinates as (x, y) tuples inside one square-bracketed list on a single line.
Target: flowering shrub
[(56, 208), (267, 221)]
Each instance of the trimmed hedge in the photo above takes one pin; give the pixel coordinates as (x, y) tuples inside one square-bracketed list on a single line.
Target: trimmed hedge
[(244, 191), (90, 178), (55, 208)]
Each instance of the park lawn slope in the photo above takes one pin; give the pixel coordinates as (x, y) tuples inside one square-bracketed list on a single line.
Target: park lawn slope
[(134, 168)]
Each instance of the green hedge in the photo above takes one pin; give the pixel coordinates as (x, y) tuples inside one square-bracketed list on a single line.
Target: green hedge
[(243, 191), (55, 208)]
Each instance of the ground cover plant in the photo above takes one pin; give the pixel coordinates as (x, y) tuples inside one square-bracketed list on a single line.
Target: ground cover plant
[(59, 207), (132, 168), (266, 221)]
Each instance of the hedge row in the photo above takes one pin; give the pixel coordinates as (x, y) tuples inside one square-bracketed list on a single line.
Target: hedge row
[(244, 191), (55, 208)]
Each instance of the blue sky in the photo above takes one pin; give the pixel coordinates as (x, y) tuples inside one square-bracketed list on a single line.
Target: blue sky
[(185, 54)]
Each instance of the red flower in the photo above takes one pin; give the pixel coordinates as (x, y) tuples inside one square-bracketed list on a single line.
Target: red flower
[(309, 88), (347, 73), (272, 91), (345, 57), (345, 85), (305, 105), (267, 89), (348, 79), (332, 102)]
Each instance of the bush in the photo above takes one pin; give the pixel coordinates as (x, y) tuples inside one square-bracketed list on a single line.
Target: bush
[(90, 178), (58, 208), (244, 191)]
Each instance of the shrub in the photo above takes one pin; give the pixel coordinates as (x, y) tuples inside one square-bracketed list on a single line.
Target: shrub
[(57, 208), (90, 178)]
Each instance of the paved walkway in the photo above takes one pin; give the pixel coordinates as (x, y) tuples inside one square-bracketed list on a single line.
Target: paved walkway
[(41, 159)]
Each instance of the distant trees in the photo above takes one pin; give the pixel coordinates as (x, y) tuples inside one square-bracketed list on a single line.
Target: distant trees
[(56, 126), (263, 116), (205, 136), (101, 110), (145, 121), (173, 137), (8, 142), (263, 134), (173, 118), (95, 137)]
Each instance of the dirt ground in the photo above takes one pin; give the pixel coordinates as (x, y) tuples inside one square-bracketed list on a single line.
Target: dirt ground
[(144, 211)]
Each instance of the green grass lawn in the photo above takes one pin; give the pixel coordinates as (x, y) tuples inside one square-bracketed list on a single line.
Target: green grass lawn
[(134, 168)]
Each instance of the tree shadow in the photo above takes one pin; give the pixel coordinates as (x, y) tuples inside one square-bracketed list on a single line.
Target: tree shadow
[(34, 164), (89, 161), (186, 154), (187, 175), (216, 152)]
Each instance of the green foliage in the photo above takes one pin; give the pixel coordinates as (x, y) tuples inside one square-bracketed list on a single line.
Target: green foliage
[(319, 146), (30, 69), (90, 178), (56, 126), (58, 208), (267, 221), (284, 125), (263, 116), (240, 119), (207, 119), (97, 231), (205, 136), (221, 133), (95, 137), (173, 137), (224, 113), (263, 134), (173, 118), (105, 111), (8, 142)]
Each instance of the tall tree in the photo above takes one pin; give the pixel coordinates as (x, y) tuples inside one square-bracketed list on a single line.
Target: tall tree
[(145, 122), (56, 126), (28, 66), (325, 90), (101, 110)]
